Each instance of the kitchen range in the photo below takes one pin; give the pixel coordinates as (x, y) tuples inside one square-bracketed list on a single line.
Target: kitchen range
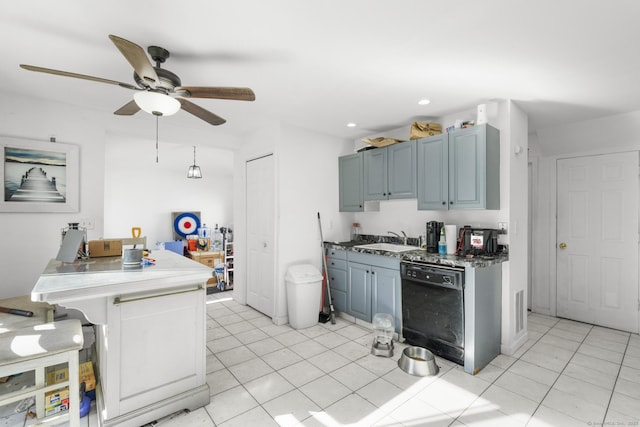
[(447, 303)]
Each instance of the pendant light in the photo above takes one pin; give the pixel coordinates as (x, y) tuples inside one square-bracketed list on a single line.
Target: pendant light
[(194, 171)]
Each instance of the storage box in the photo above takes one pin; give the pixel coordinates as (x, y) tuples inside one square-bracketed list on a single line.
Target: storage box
[(86, 375), (56, 401), (102, 248)]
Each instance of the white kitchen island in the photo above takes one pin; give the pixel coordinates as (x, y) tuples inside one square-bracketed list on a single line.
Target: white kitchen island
[(150, 325)]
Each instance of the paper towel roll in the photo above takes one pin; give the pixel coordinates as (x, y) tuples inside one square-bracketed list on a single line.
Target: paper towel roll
[(450, 233)]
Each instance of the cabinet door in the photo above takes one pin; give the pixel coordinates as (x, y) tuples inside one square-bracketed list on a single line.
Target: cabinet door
[(467, 173), (386, 296), (337, 279), (402, 170), (375, 174), (433, 175), (359, 291), (350, 183), (147, 334)]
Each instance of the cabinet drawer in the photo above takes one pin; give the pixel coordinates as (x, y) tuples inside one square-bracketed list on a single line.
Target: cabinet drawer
[(337, 279), (337, 263), (337, 253)]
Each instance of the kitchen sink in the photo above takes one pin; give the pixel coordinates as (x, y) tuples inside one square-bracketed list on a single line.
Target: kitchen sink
[(389, 247)]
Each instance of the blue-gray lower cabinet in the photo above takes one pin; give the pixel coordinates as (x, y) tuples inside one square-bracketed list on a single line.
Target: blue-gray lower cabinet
[(373, 286), (359, 291), (337, 271), (386, 296)]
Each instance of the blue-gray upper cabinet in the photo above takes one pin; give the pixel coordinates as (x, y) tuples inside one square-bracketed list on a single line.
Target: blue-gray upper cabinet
[(460, 169), (390, 172), (474, 168), (350, 183), (433, 172)]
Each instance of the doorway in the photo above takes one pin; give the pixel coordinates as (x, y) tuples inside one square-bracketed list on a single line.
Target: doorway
[(597, 240), (260, 234)]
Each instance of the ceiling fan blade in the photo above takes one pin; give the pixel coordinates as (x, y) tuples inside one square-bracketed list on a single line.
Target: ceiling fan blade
[(77, 76), (201, 113), (128, 109), (137, 58), (236, 93)]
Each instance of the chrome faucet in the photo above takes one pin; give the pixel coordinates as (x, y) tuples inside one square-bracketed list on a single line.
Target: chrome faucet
[(403, 237)]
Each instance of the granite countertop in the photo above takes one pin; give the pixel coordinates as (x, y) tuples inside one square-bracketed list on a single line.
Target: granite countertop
[(421, 255)]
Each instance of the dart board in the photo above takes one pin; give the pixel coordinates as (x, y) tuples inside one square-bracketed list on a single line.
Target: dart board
[(185, 223)]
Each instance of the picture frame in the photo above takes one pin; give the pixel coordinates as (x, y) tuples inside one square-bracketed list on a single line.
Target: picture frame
[(39, 176)]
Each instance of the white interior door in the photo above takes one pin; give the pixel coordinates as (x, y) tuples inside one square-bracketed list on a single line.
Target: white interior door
[(597, 240), (260, 234)]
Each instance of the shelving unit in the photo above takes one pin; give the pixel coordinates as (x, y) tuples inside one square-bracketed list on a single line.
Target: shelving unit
[(228, 263)]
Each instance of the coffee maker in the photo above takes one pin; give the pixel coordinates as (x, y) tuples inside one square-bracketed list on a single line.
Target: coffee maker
[(433, 236)]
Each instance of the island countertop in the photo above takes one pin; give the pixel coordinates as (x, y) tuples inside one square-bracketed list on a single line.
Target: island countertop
[(98, 277)]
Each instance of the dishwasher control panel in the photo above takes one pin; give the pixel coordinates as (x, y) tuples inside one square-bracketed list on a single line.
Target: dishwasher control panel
[(432, 274)]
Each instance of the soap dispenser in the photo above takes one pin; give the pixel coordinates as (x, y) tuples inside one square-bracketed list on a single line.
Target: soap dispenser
[(442, 244)]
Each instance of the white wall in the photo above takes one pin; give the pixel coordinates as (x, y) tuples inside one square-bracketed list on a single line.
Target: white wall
[(142, 193), (30, 240), (306, 182)]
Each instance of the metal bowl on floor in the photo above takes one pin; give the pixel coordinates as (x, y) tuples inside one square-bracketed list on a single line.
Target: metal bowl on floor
[(418, 361)]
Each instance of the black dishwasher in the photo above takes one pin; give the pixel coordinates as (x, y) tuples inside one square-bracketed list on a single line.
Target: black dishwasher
[(433, 308)]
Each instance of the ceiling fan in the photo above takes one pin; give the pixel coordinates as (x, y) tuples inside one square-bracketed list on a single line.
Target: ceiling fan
[(158, 90)]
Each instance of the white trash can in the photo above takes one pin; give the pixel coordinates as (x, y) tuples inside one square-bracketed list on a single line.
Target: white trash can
[(304, 292)]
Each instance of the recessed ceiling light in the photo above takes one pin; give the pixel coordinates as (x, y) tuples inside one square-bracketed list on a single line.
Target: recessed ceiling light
[(351, 125), (424, 102)]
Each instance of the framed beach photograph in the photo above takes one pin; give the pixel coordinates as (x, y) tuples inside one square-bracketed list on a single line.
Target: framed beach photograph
[(39, 176)]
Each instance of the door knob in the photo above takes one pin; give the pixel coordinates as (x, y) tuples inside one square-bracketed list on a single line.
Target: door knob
[(563, 245)]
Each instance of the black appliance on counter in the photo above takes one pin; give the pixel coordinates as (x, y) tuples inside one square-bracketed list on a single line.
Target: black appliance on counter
[(478, 241), (433, 236), (433, 308)]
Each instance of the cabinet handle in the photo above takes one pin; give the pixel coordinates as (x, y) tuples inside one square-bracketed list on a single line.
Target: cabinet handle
[(373, 272), (384, 194), (119, 300), (444, 203), (367, 271), (451, 202)]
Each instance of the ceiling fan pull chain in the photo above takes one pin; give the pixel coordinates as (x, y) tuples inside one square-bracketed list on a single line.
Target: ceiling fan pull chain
[(157, 139)]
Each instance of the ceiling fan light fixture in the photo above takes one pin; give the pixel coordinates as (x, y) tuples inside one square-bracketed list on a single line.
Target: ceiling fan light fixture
[(194, 170), (156, 103)]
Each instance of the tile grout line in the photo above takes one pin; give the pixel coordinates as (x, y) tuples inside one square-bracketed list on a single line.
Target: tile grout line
[(613, 389), (501, 374)]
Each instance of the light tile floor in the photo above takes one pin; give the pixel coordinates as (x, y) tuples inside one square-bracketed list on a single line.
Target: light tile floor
[(567, 374)]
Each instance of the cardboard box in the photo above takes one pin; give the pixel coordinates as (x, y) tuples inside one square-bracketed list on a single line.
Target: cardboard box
[(86, 375), (56, 401), (102, 248)]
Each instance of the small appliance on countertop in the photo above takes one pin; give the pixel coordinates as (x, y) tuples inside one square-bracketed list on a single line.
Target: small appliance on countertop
[(478, 241), (433, 236)]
